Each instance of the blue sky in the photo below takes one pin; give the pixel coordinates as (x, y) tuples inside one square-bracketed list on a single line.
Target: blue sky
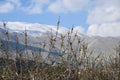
[(67, 20), (94, 17)]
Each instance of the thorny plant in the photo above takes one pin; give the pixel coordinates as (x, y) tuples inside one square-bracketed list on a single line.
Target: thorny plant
[(76, 63)]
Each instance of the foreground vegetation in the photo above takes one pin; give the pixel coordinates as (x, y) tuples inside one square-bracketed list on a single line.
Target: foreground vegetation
[(77, 65)]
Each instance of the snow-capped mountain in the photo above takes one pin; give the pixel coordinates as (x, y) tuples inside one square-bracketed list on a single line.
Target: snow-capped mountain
[(37, 35), (34, 29)]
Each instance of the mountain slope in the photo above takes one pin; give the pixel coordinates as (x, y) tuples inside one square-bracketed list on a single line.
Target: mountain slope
[(38, 33), (32, 29)]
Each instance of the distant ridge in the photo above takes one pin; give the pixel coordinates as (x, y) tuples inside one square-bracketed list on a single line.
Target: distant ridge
[(37, 33)]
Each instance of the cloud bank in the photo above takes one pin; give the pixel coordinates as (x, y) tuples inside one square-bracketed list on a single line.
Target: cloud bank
[(65, 6), (106, 29), (103, 15), (104, 18), (6, 8)]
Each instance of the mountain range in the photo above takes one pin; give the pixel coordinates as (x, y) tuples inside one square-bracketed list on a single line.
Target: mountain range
[(38, 34)]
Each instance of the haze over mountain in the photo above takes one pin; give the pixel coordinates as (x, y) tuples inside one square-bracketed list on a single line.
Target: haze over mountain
[(38, 33)]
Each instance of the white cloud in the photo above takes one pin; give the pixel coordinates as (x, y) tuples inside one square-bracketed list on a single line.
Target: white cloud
[(106, 29), (16, 3), (79, 29), (7, 7), (103, 14), (57, 7), (104, 21), (64, 6), (104, 18), (35, 6)]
